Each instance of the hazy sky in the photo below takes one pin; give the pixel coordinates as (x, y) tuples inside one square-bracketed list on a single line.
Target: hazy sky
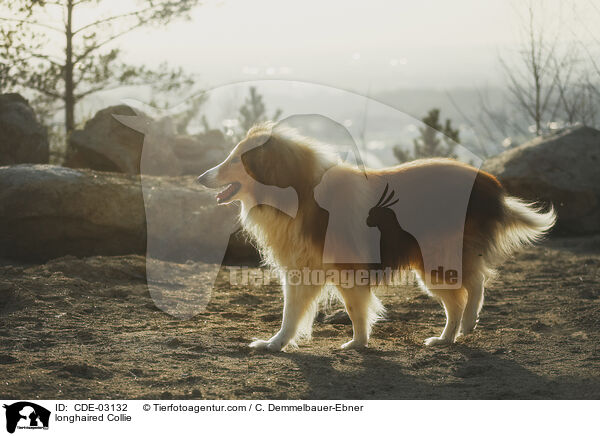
[(382, 44), (360, 45), (368, 46)]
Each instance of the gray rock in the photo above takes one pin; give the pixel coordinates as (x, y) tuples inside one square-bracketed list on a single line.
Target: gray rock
[(105, 144), (562, 169), (108, 144), (201, 152), (337, 317), (22, 138), (49, 211)]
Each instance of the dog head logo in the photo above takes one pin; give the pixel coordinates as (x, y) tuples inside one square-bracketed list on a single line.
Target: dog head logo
[(26, 415)]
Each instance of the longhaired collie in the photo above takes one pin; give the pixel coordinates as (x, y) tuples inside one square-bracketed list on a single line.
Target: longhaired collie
[(317, 219)]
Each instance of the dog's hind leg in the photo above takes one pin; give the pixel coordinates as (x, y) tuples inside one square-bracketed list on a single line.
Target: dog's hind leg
[(364, 309), (298, 302), (475, 292), (454, 301)]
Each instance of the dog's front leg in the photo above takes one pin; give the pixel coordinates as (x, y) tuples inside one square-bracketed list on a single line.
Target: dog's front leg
[(298, 302), (358, 302)]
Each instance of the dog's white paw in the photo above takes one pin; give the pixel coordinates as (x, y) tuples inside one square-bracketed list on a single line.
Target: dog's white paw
[(353, 345), (271, 345), (437, 341), (259, 344)]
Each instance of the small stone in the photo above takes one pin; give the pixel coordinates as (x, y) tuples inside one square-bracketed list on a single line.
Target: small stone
[(338, 317), (173, 343)]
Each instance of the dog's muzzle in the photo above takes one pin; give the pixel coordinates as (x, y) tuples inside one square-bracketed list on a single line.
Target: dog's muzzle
[(207, 179)]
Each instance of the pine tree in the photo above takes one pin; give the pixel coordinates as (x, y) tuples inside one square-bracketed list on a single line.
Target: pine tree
[(254, 111), (429, 144), (61, 76)]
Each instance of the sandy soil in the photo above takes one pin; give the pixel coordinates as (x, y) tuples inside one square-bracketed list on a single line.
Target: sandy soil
[(87, 328)]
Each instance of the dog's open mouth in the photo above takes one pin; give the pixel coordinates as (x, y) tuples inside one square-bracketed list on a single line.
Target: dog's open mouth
[(227, 194)]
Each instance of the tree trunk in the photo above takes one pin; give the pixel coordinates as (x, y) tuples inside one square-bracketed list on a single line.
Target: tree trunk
[(69, 96)]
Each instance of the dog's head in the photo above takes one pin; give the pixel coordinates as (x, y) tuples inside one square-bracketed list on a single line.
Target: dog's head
[(266, 156)]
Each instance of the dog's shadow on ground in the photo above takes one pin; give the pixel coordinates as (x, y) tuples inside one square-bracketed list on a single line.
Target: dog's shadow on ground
[(447, 373)]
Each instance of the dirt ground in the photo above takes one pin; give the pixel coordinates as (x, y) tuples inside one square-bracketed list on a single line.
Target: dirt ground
[(88, 328)]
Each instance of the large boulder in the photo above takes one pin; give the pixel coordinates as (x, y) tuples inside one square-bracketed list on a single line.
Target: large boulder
[(106, 143), (562, 169), (22, 138), (49, 211), (198, 153)]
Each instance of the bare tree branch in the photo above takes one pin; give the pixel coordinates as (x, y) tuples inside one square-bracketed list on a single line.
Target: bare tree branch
[(32, 23), (113, 18), (100, 44)]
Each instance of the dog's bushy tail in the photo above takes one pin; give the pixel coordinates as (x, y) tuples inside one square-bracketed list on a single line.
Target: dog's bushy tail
[(523, 224)]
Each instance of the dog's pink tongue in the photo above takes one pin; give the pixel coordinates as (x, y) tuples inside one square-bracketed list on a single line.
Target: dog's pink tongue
[(225, 193)]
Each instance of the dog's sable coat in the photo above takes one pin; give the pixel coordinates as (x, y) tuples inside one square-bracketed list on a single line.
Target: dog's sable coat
[(495, 225)]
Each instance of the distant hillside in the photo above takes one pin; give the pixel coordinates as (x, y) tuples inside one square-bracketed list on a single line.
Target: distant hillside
[(417, 101)]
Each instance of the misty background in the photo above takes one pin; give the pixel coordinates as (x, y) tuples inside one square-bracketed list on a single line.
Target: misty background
[(110, 110), (468, 59)]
